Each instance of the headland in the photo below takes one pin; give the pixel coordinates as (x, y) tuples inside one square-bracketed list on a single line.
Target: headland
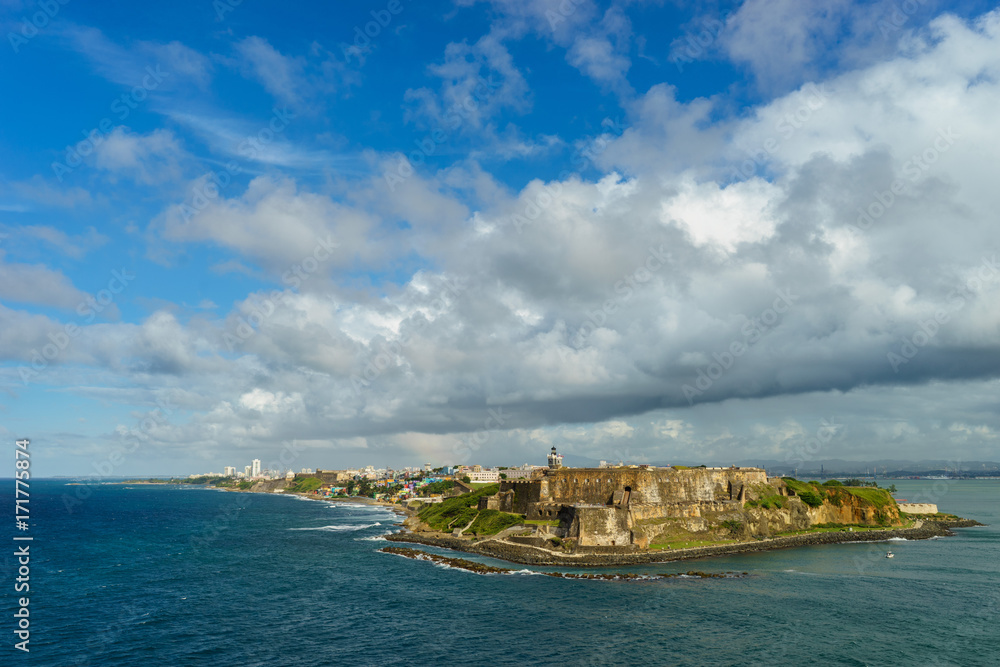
[(632, 515)]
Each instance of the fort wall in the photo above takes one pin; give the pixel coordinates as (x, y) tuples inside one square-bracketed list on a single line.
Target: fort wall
[(627, 486)]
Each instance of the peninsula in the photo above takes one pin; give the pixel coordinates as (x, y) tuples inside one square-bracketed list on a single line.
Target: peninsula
[(613, 514), (643, 514)]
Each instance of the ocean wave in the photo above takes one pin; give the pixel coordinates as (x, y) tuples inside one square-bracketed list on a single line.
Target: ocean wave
[(341, 528)]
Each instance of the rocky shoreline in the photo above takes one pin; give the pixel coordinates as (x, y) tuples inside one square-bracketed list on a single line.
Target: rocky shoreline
[(481, 568), (531, 555)]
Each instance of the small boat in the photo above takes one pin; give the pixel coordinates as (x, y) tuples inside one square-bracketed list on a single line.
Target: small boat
[(889, 554)]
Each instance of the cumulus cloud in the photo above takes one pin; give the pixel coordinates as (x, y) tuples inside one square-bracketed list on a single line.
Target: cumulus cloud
[(279, 227), (151, 158), (477, 82), (723, 283)]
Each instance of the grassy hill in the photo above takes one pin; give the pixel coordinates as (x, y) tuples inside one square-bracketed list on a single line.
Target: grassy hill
[(457, 512)]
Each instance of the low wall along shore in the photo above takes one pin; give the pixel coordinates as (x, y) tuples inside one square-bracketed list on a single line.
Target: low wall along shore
[(918, 508)]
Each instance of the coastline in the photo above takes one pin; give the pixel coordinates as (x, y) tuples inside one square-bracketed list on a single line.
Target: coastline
[(359, 500), (531, 555), (526, 554)]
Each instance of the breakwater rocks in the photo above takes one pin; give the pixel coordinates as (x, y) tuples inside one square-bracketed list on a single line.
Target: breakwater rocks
[(481, 568), (532, 555)]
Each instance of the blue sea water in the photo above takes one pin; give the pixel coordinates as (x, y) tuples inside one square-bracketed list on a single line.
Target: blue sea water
[(150, 575)]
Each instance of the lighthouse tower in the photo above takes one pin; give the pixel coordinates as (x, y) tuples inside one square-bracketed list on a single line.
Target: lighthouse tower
[(555, 460)]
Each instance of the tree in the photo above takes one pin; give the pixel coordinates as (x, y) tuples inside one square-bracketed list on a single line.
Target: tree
[(892, 488), (466, 479)]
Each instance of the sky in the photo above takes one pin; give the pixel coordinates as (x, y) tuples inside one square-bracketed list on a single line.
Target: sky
[(466, 231)]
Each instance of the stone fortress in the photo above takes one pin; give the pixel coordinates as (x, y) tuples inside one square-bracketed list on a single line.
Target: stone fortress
[(627, 506)]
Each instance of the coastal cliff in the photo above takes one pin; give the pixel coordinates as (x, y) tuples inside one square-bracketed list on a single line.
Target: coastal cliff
[(583, 514)]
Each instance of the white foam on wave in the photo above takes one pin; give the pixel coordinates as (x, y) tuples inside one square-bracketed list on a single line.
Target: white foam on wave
[(897, 539), (372, 538), (374, 511), (296, 497), (341, 528)]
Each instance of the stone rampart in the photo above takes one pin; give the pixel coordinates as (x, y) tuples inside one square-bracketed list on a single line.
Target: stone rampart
[(918, 508), (626, 486)]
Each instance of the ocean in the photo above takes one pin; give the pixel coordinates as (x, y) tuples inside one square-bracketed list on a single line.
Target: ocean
[(137, 575)]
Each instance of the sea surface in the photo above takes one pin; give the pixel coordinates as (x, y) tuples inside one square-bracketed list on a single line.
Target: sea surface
[(158, 575)]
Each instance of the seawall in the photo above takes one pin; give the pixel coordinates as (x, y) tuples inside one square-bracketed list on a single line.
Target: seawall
[(529, 555)]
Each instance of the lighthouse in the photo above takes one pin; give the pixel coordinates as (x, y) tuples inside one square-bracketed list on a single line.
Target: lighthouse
[(555, 460)]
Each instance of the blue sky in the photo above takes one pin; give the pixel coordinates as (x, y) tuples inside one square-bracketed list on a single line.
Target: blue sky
[(353, 247)]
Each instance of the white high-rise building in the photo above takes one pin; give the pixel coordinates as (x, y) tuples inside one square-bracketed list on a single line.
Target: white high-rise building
[(255, 468), (246, 471), (229, 471)]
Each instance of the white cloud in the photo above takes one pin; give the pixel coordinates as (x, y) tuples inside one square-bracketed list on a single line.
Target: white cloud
[(276, 225), (282, 76), (152, 158)]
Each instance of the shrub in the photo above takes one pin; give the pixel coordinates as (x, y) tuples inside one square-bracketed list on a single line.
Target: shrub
[(811, 498)]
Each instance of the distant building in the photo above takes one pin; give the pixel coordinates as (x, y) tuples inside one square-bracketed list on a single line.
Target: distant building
[(255, 467), (482, 475), (246, 471), (555, 460), (229, 471), (307, 471), (290, 475)]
